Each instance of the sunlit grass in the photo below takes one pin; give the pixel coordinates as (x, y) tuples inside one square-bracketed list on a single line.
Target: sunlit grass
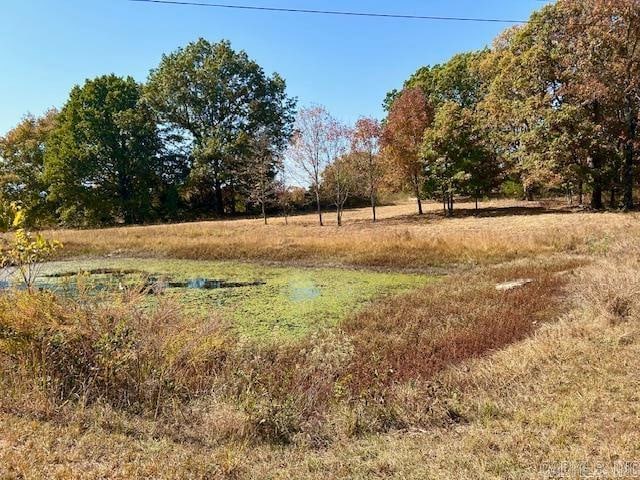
[(420, 379), (400, 240)]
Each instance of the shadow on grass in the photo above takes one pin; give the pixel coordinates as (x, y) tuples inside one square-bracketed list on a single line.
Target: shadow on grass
[(482, 212)]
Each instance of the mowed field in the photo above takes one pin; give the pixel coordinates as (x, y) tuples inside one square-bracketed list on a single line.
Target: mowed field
[(367, 351)]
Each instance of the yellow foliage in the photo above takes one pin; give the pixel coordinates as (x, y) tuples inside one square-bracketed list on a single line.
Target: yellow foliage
[(24, 252)]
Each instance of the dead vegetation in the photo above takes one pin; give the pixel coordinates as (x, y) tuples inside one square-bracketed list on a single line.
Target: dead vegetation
[(456, 379), (399, 240)]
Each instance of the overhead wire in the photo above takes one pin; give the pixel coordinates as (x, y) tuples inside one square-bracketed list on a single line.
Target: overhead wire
[(331, 12)]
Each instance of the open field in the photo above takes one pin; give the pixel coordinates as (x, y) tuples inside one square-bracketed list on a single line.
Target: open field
[(401, 240), (388, 374)]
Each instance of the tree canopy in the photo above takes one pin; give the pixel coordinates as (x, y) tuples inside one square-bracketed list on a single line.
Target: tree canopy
[(219, 101), (102, 158), (22, 152), (551, 107)]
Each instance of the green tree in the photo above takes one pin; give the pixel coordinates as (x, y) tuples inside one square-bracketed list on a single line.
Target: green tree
[(22, 152), (564, 95), (456, 146), (219, 100), (460, 80), (457, 154), (261, 182), (102, 158), (524, 96)]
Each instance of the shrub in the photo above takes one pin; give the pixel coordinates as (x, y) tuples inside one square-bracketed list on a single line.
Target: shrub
[(287, 390), (25, 252)]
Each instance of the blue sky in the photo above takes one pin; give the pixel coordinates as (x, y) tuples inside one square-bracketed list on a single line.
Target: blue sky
[(344, 63)]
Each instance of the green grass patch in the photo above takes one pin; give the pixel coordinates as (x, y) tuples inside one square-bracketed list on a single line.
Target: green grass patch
[(291, 303)]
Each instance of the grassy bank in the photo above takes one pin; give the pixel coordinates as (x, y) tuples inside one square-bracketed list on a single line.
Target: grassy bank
[(549, 398)]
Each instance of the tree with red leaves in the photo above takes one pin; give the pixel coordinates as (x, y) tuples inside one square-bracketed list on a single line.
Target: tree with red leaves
[(409, 116)]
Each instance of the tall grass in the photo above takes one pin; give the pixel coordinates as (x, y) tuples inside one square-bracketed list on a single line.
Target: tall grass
[(398, 241), (159, 363), (481, 383), (117, 353)]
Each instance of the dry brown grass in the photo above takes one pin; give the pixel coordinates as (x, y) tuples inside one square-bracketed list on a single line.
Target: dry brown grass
[(568, 393), (456, 380), (415, 335), (401, 240)]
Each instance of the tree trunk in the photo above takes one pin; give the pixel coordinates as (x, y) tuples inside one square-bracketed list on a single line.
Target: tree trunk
[(232, 199), (416, 190), (125, 192), (264, 213), (612, 198), (444, 202), (219, 199), (373, 205), (628, 176), (319, 206), (580, 193), (528, 194), (477, 202), (629, 156), (596, 195)]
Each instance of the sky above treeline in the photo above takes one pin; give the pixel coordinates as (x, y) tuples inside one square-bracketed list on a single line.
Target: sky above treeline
[(344, 63)]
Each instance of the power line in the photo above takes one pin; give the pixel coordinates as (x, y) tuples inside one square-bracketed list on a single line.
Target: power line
[(330, 12)]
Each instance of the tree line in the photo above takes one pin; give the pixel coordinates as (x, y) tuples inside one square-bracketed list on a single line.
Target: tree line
[(195, 139), (550, 108)]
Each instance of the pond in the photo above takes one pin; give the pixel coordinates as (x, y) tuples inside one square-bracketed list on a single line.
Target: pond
[(261, 302)]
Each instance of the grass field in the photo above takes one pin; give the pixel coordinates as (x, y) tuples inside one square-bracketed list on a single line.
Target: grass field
[(387, 372), (400, 240)]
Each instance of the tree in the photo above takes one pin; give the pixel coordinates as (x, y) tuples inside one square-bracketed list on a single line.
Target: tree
[(24, 253), (341, 171), (262, 177), (341, 176), (456, 151), (565, 97), (603, 38), (22, 152), (365, 144), (101, 159), (410, 115), (309, 151), (219, 100), (524, 98), (457, 155), (341, 179), (460, 80)]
